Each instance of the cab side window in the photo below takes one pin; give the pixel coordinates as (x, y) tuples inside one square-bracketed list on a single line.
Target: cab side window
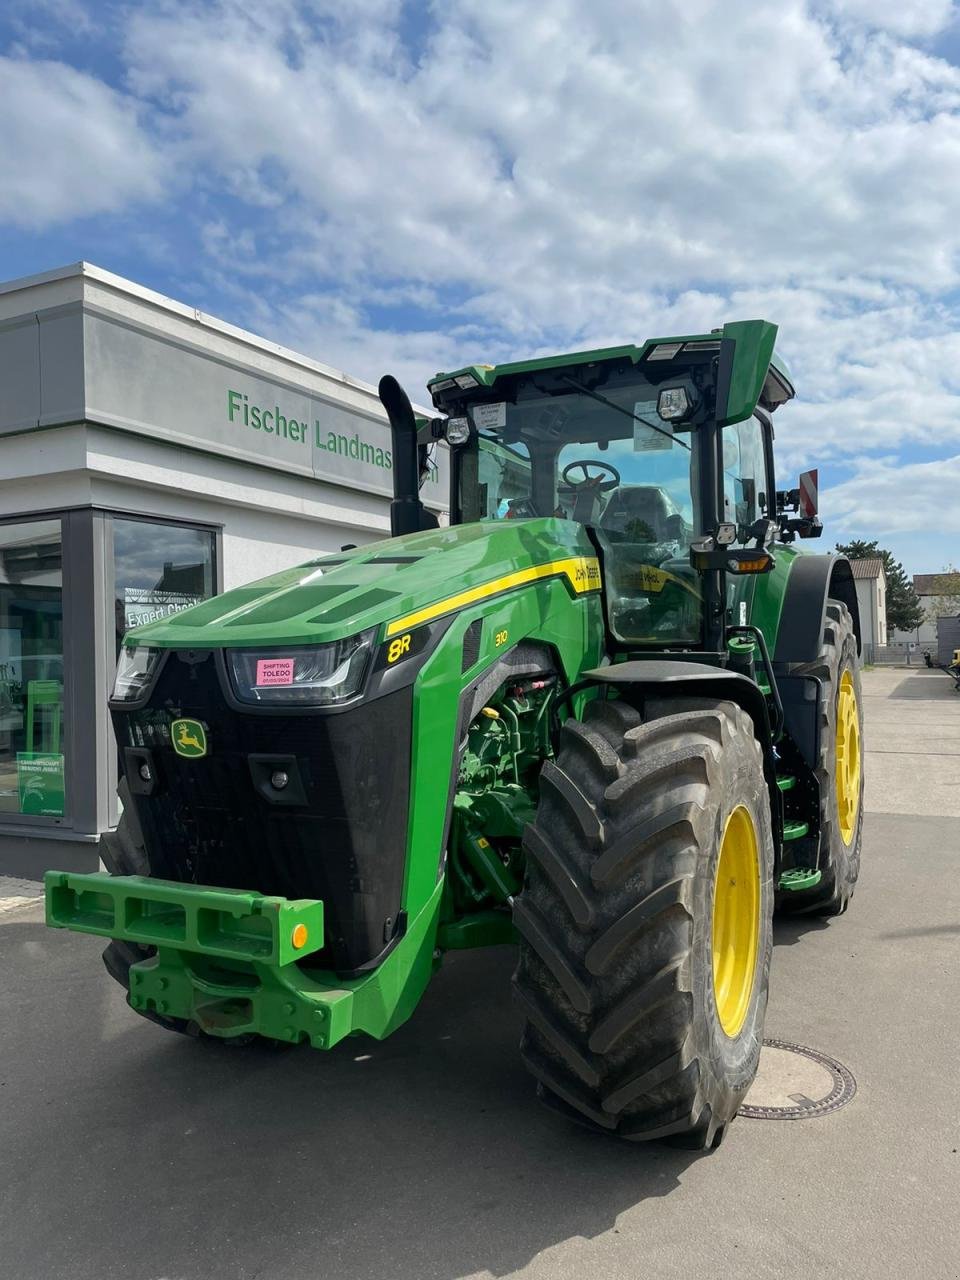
[(744, 475)]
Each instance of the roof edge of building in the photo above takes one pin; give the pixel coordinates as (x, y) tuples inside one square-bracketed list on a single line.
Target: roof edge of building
[(120, 284), (868, 567)]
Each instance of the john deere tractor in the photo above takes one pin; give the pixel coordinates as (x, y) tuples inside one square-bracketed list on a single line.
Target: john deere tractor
[(609, 716)]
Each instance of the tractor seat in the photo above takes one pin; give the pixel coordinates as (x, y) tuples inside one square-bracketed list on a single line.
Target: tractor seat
[(638, 513)]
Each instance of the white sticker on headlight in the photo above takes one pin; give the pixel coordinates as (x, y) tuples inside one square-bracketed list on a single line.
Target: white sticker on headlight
[(273, 671)]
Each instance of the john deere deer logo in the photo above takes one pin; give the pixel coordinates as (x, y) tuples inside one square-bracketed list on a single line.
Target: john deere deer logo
[(189, 739)]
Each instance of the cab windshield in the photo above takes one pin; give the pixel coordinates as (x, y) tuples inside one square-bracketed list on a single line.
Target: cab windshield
[(604, 459)]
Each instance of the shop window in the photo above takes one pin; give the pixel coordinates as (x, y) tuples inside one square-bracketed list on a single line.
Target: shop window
[(159, 569), (31, 669)]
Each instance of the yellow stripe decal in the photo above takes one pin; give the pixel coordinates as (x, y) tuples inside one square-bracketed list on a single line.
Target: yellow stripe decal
[(582, 572)]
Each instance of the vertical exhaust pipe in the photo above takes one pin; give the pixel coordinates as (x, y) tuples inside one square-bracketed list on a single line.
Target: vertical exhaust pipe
[(406, 509)]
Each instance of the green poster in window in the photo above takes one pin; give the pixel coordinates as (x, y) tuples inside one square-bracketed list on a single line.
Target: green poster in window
[(40, 782)]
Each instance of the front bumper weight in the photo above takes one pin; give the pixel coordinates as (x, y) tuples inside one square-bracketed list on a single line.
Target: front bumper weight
[(229, 924)]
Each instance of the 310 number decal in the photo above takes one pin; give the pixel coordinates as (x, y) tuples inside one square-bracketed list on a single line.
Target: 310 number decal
[(500, 639)]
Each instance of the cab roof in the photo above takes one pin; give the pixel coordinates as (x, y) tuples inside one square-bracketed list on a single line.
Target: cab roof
[(758, 363)]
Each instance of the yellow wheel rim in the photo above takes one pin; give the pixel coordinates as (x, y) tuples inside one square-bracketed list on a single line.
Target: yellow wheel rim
[(848, 758), (736, 920)]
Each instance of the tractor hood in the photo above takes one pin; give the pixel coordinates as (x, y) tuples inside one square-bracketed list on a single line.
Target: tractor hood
[(398, 583)]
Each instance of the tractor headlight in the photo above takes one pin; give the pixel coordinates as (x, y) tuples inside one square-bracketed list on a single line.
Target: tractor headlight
[(673, 404), (457, 431), (135, 671), (322, 675)]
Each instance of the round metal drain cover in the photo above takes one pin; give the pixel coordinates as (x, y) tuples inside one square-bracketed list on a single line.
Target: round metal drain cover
[(796, 1083)]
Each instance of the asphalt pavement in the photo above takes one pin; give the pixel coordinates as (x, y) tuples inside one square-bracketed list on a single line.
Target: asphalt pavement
[(128, 1152)]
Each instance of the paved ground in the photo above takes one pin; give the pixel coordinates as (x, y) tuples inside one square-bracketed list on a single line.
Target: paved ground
[(126, 1152), (914, 758)]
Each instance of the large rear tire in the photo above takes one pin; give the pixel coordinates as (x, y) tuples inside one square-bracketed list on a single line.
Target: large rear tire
[(839, 768), (645, 920)]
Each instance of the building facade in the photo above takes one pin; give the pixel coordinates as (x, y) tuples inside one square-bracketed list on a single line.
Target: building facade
[(870, 580), (938, 594), (150, 457)]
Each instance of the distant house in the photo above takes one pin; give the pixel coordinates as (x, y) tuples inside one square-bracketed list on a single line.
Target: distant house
[(929, 587), (938, 634), (871, 583)]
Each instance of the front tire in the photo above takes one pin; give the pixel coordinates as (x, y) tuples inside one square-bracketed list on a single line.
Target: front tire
[(639, 1019)]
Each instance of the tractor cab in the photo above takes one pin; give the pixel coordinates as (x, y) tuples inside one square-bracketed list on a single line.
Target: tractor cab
[(641, 445)]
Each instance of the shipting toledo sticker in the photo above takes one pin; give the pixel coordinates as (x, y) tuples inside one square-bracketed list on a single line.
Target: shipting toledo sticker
[(189, 739), (273, 671)]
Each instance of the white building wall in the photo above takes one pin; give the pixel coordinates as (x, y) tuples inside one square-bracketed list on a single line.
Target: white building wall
[(270, 520), (867, 600), (928, 628)]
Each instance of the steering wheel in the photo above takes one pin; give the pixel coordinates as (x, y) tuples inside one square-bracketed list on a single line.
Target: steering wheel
[(588, 481)]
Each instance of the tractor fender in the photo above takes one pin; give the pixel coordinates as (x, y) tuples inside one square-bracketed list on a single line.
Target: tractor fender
[(813, 580), (635, 681)]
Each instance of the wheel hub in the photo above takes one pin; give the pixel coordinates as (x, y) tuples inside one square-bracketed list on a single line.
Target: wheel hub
[(848, 758), (736, 920)]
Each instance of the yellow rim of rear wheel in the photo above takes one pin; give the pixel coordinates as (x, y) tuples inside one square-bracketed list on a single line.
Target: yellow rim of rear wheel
[(848, 757), (736, 920)]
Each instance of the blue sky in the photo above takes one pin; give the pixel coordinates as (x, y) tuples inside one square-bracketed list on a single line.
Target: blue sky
[(409, 187)]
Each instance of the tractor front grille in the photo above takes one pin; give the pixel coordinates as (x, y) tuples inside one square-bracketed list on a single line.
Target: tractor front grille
[(205, 822)]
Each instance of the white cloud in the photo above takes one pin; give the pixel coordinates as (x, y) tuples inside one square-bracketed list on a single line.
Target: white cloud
[(69, 146), (729, 143), (539, 175), (909, 18), (890, 499)]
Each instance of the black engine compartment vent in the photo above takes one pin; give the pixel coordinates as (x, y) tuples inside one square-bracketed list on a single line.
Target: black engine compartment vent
[(471, 644)]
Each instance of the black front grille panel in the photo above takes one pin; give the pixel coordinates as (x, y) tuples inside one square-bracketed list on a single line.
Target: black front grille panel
[(206, 823)]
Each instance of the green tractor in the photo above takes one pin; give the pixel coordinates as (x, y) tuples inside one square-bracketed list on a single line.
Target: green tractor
[(609, 716)]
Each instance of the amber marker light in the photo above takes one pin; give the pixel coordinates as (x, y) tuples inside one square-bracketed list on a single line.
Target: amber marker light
[(299, 936)]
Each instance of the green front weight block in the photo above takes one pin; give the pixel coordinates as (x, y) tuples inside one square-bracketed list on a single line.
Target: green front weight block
[(226, 958), (230, 924)]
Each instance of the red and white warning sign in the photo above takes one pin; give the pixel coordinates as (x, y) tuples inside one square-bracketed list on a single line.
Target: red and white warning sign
[(809, 493)]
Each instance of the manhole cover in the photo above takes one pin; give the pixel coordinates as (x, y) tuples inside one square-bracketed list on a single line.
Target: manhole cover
[(796, 1083)]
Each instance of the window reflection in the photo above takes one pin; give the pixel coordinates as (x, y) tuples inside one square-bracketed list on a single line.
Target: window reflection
[(159, 570), (31, 669)]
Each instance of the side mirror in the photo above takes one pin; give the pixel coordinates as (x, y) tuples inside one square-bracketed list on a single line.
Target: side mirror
[(805, 500), (811, 527)]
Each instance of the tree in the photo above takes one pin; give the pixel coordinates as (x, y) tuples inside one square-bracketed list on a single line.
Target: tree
[(904, 611), (945, 597)]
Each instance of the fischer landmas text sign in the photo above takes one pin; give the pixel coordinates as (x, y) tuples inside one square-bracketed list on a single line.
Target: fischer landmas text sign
[(273, 422)]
